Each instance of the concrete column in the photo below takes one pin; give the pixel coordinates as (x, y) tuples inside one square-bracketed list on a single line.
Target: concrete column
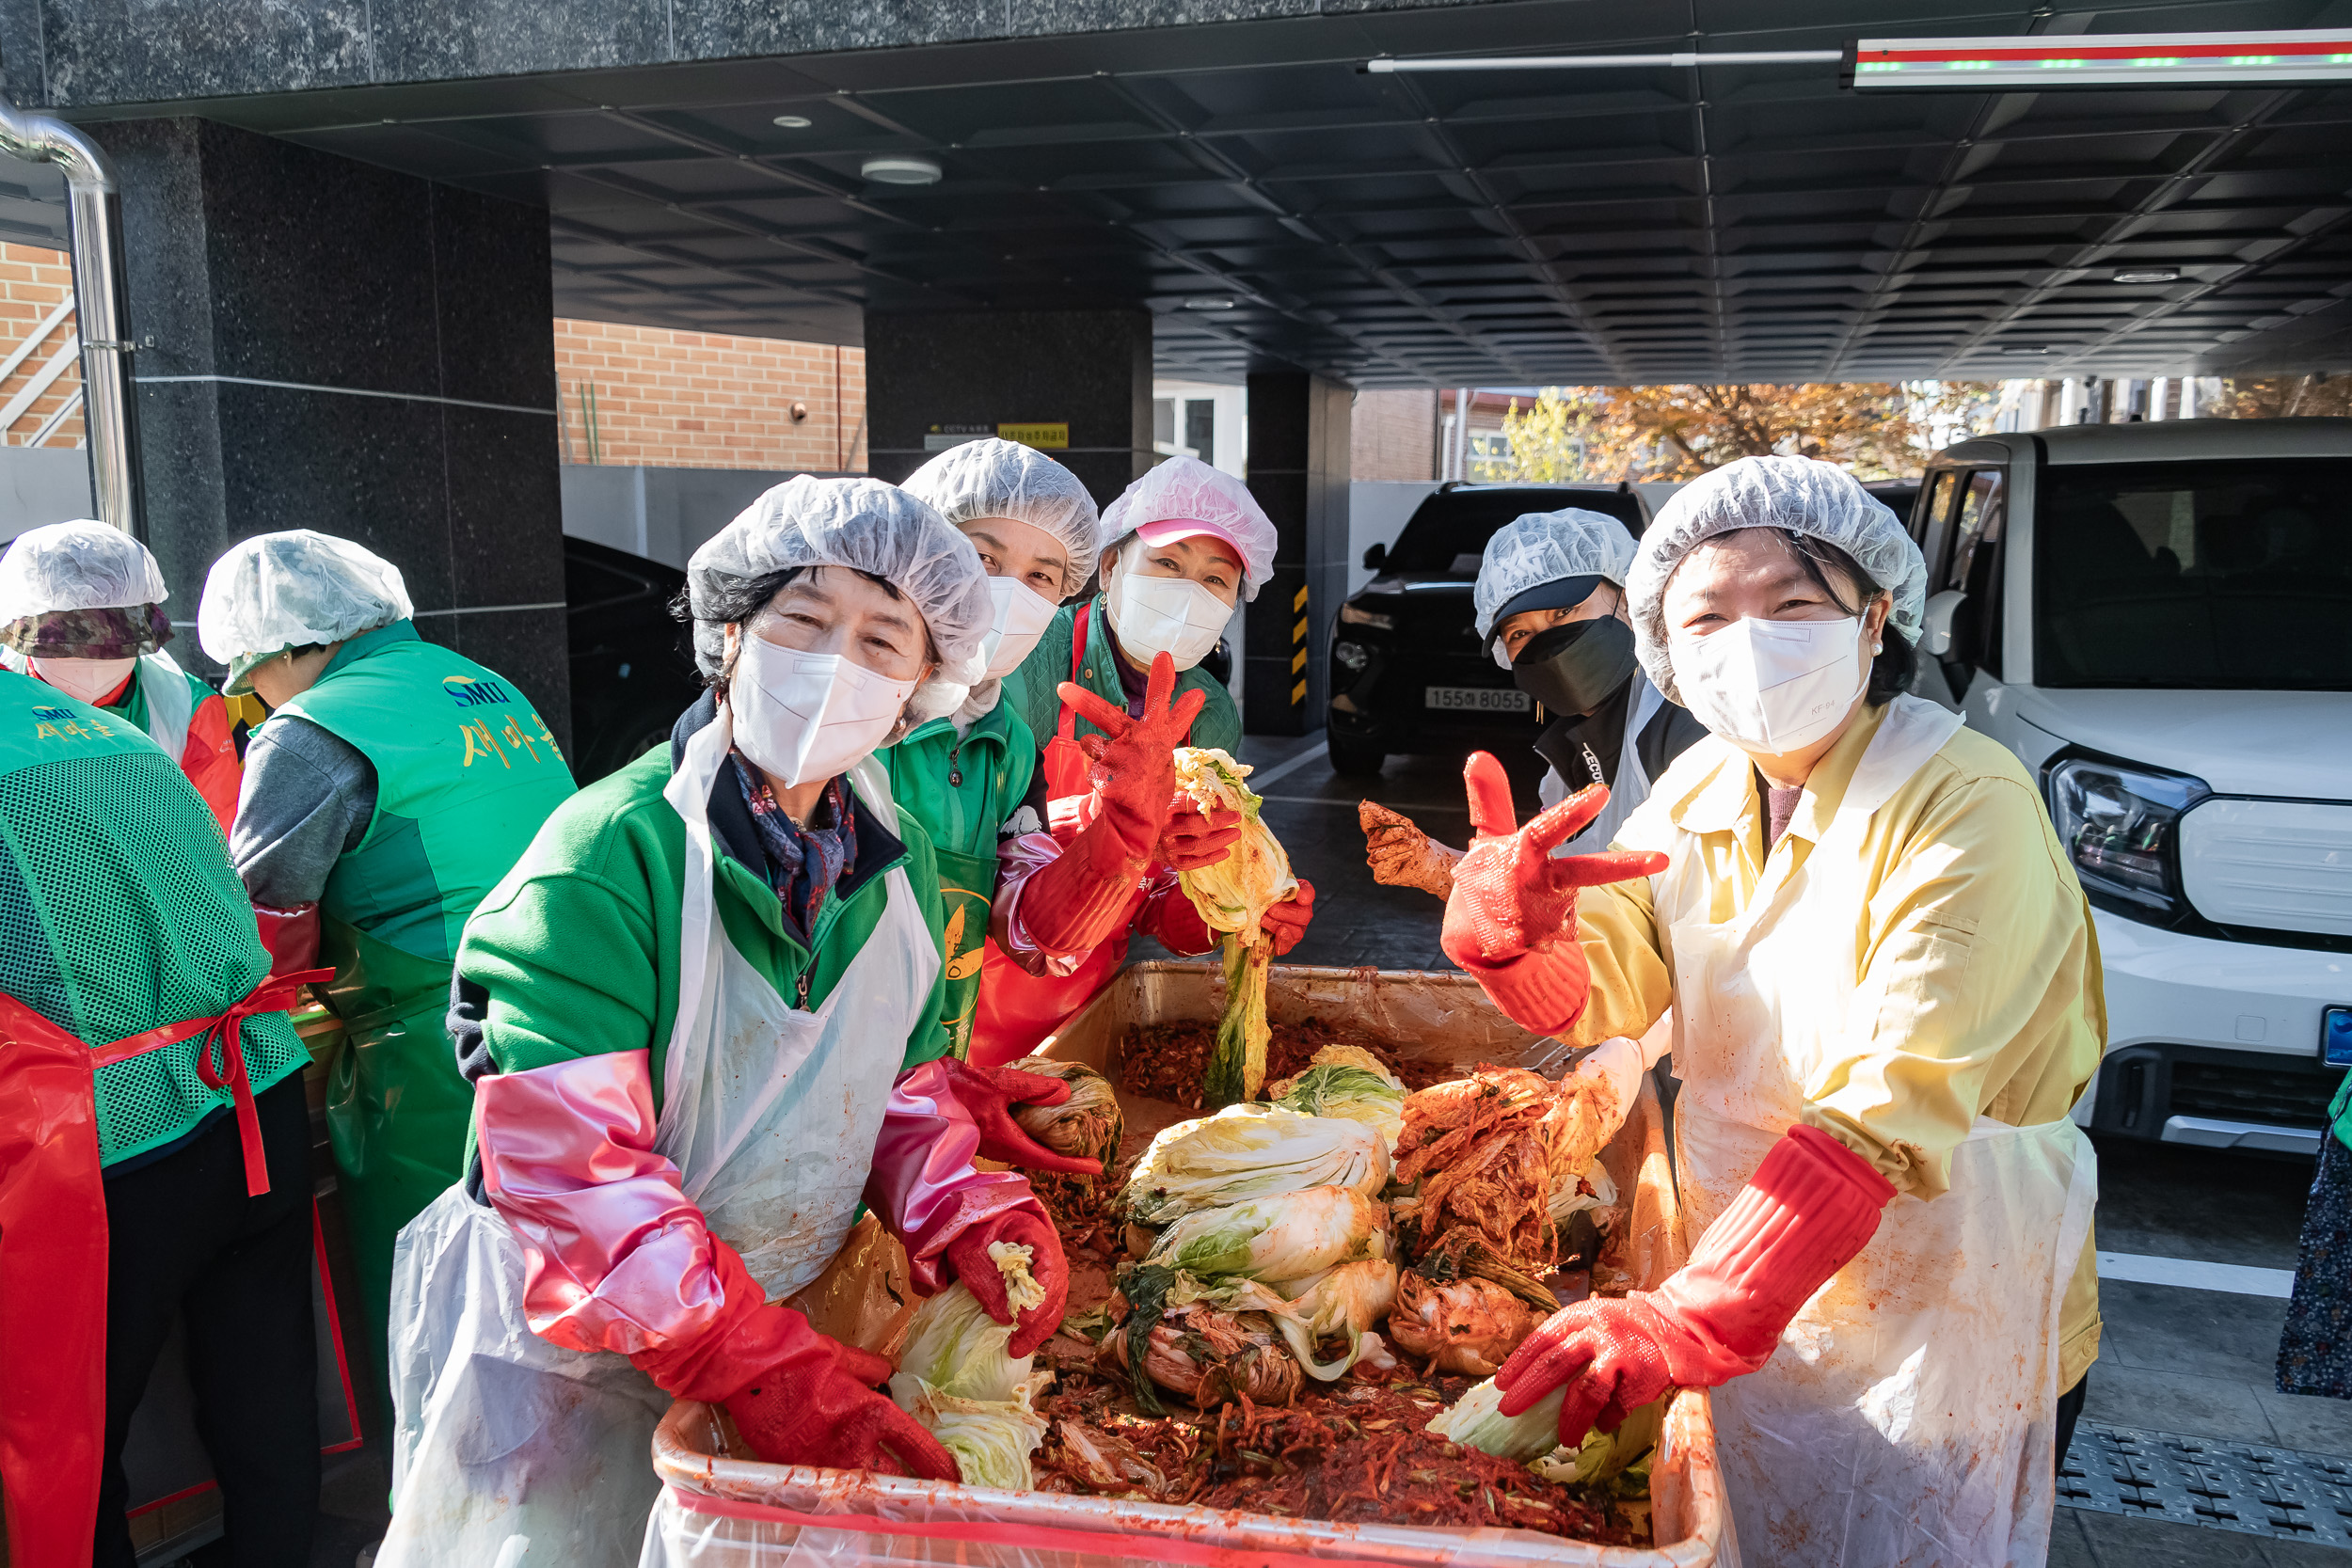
[(931, 380), (342, 348), (1299, 463)]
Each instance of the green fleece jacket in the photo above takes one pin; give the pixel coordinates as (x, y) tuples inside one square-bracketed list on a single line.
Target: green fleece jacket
[(1032, 687), (576, 953)]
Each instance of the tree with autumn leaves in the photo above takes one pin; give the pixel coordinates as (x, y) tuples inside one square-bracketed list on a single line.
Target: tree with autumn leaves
[(1877, 429)]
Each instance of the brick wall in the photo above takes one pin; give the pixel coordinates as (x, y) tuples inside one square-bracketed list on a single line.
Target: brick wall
[(704, 400), (35, 280), (1391, 435)]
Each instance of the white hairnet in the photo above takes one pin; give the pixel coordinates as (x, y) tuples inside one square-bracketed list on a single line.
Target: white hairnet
[(1802, 495), (1187, 489), (868, 526), (278, 591), (1546, 547), (1004, 478), (78, 565)]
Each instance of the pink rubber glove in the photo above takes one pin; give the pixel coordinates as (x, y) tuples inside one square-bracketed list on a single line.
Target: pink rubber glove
[(1286, 922), (1810, 1208), (968, 1255), (989, 1093), (1511, 919)]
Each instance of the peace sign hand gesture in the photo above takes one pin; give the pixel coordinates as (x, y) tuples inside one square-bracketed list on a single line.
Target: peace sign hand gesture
[(1511, 919)]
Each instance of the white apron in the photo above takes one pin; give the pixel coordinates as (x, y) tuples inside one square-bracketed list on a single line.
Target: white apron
[(1906, 1418), (1631, 786), (509, 1451)]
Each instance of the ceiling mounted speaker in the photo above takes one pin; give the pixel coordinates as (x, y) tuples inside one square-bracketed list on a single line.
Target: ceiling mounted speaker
[(897, 168)]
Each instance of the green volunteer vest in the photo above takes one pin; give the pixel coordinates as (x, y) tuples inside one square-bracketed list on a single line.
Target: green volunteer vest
[(119, 911), (466, 772), (962, 791)]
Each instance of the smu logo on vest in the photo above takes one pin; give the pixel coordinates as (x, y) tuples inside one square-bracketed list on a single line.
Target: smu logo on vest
[(473, 691), (56, 723)]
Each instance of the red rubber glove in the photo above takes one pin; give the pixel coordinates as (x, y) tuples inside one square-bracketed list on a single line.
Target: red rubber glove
[(989, 1093), (1072, 904), (967, 1253), (814, 1407), (1194, 838), (797, 1397), (1810, 1208), (1286, 922), (1511, 919), (291, 937)]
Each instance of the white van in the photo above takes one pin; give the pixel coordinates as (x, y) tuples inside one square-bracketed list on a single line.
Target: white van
[(2157, 620)]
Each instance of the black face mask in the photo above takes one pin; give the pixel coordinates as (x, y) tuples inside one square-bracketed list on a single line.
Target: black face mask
[(1573, 669)]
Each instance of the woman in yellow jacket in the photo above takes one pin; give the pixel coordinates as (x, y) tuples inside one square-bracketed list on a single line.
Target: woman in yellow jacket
[(1885, 996)]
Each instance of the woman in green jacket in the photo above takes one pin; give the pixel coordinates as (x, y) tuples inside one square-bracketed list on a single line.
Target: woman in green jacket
[(703, 1020)]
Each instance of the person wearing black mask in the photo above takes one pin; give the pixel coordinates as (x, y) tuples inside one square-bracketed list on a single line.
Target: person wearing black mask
[(1550, 602)]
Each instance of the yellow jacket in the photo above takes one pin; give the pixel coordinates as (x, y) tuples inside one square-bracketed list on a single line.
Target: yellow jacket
[(1976, 950)]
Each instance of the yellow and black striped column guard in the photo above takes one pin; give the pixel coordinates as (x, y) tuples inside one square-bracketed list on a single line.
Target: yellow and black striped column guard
[(1299, 647)]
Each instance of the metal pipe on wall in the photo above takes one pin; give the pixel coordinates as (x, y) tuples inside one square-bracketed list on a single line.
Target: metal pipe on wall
[(94, 229)]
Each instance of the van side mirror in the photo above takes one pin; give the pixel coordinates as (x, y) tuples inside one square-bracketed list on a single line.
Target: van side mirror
[(1939, 622), (1376, 556)]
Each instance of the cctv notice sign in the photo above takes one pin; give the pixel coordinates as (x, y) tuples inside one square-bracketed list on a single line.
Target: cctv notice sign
[(1048, 436)]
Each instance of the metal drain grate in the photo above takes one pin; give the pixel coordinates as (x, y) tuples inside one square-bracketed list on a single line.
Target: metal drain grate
[(2203, 1480)]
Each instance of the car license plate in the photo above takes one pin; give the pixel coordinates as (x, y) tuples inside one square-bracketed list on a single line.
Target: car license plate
[(2335, 1036), (1476, 698)]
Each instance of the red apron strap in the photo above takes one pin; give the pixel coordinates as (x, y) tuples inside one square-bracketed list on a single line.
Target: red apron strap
[(221, 1059)]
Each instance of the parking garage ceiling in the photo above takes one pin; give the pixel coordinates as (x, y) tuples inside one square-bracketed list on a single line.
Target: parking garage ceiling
[(1273, 204)]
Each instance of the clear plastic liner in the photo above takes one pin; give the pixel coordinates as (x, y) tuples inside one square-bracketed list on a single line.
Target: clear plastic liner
[(720, 1511)]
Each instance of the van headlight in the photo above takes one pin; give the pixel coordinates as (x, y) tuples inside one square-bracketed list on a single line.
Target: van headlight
[(2121, 825), (1351, 657)]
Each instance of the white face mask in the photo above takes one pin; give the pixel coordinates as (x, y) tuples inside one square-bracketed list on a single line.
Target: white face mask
[(1022, 614), (84, 680), (808, 717), (1774, 686), (1175, 616)]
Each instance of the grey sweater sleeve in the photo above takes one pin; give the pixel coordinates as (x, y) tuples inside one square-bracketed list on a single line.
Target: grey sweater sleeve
[(305, 801)]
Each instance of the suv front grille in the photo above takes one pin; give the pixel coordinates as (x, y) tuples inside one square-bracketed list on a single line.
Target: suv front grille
[(2249, 1093)]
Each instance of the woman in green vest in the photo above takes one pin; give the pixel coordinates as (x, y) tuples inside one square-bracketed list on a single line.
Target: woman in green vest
[(972, 777), (393, 784), (155, 1149), (82, 609), (1184, 545)]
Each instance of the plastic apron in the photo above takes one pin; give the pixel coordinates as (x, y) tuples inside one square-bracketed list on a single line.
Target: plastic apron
[(509, 1451), (1907, 1416), (1631, 785), (1018, 1009), (52, 1253)]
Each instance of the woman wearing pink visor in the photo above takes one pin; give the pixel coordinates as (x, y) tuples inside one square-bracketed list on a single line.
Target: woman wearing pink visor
[(1182, 547)]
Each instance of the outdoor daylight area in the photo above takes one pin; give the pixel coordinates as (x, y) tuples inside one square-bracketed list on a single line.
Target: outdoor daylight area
[(1459, 784)]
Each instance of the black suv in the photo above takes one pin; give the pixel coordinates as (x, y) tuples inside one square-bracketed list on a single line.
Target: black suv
[(632, 665), (1409, 673)]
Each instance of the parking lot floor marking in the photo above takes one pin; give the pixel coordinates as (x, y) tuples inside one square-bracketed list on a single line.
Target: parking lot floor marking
[(2235, 1278)]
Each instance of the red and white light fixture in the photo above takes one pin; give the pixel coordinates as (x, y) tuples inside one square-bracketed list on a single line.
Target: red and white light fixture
[(1991, 64), (2100, 60)]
